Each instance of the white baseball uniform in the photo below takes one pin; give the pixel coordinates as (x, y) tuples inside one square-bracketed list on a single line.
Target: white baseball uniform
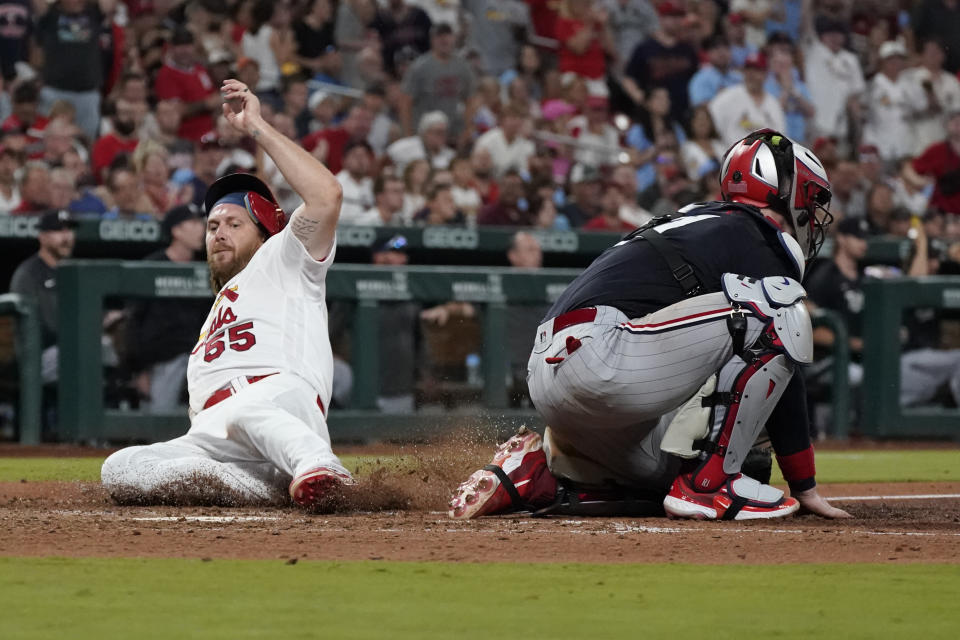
[(259, 379)]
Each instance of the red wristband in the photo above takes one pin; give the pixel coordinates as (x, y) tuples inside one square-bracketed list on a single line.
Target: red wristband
[(798, 466)]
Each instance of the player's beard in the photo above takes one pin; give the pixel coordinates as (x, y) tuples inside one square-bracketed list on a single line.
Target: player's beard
[(220, 273)]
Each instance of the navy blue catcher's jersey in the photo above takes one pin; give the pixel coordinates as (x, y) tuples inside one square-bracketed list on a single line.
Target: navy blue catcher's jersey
[(714, 238)]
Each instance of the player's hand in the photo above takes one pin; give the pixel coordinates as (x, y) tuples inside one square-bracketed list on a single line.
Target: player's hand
[(437, 315), (241, 107), (810, 500)]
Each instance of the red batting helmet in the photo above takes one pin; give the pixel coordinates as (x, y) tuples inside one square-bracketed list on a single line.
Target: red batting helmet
[(258, 200), (767, 169)]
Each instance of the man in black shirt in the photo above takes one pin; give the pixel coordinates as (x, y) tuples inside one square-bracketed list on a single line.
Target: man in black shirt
[(162, 331), (69, 35), (36, 277), (659, 365)]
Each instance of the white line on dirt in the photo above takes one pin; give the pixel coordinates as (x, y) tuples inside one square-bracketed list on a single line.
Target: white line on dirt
[(925, 496), (205, 518)]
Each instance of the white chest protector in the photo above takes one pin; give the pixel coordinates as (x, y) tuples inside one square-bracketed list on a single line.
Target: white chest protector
[(779, 300)]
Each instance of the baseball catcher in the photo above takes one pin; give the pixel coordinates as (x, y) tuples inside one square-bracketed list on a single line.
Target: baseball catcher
[(260, 374), (660, 364)]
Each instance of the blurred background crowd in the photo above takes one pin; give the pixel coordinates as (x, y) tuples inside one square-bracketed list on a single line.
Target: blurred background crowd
[(545, 114)]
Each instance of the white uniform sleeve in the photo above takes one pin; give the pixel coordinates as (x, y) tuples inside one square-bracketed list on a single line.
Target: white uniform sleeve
[(287, 263)]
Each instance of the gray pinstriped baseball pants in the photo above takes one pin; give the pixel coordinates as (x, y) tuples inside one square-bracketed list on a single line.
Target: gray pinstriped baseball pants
[(610, 401)]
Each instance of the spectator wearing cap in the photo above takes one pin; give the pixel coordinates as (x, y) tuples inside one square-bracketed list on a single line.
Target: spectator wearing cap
[(665, 60), (785, 84), (330, 67), (68, 34), (940, 163), (313, 33), (162, 331), (941, 89), (584, 200), (836, 80), (497, 30), (401, 27), (891, 105), (438, 80), (599, 140), (511, 208), (507, 145), (36, 277), (182, 77), (122, 139), (583, 30), (355, 180), (328, 145), (716, 74), (735, 29), (248, 71), (388, 203), (34, 188), (744, 108), (429, 144)]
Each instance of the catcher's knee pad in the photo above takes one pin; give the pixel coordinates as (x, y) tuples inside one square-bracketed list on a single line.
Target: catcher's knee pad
[(747, 392)]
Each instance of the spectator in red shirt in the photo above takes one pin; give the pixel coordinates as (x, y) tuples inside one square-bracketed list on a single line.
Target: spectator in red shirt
[(609, 218), (585, 40), (184, 78), (327, 145), (941, 162), (122, 140)]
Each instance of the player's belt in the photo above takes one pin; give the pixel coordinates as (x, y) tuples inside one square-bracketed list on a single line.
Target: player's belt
[(570, 318), (226, 391)]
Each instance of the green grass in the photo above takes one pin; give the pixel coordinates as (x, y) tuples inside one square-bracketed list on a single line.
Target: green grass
[(176, 598), (832, 466), (886, 466)]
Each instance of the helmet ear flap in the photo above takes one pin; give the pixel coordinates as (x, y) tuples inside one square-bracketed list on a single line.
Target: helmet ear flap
[(266, 214)]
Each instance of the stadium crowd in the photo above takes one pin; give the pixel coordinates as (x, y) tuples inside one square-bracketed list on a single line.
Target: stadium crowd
[(550, 114)]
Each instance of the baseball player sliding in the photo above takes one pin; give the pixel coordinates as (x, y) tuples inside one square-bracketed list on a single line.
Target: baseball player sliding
[(260, 374), (660, 364)]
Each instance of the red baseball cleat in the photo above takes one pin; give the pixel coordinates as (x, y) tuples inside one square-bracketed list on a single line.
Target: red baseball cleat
[(516, 480), (740, 498), (316, 486)]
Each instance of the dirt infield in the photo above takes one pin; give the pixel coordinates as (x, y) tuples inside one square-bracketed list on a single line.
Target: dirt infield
[(79, 519)]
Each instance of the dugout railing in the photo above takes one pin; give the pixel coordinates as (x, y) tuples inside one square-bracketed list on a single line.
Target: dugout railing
[(27, 356), (85, 286), (885, 301)]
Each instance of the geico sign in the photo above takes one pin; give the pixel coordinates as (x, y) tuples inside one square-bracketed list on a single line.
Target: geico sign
[(449, 238), (18, 226), (348, 236), (558, 241), (136, 230)]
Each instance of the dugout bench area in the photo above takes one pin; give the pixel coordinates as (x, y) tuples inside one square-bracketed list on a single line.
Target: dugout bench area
[(85, 285)]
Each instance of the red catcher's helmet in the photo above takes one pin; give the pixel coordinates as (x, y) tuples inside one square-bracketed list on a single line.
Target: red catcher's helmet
[(258, 200), (767, 169)]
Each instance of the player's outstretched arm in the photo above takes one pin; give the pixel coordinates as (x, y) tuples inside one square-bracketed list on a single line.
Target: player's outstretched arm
[(315, 221)]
